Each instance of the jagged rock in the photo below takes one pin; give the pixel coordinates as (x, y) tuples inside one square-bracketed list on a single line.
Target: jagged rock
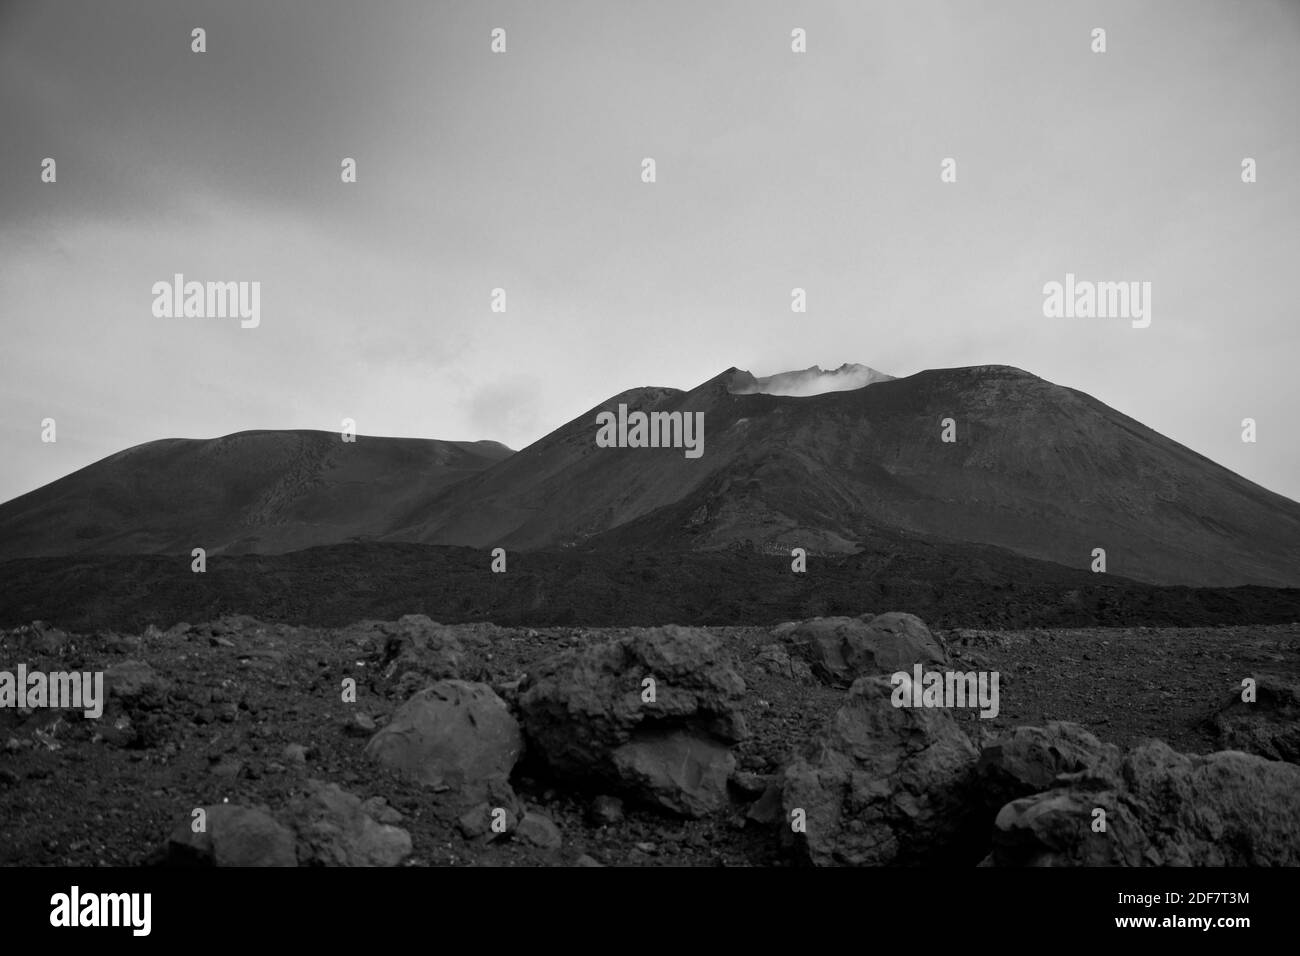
[(1056, 829), (476, 821), (359, 725), (539, 830), (295, 754), (227, 768), (233, 836), (1030, 760), (583, 712), (455, 736), (882, 784), (498, 815), (680, 771), (750, 785), (767, 808), (379, 809), (776, 660), (334, 829), (1170, 809), (1269, 726), (133, 681), (605, 811), (841, 649), (47, 639), (418, 650)]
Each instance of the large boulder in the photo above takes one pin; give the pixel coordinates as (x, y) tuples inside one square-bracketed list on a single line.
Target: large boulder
[(334, 828), (410, 653), (1166, 809), (1031, 760), (586, 716), (1057, 828), (452, 736), (841, 649), (883, 784), (231, 836), (1268, 726)]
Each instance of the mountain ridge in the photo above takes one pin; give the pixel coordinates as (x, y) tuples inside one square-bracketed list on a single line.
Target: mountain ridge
[(1040, 469)]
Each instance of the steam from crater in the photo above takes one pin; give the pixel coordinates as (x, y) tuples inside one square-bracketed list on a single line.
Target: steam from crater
[(809, 381)]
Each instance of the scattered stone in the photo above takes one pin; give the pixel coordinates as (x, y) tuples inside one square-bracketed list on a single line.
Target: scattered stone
[(360, 725), (750, 785), (605, 811), (48, 640), (227, 768), (775, 659), (379, 809), (334, 829), (234, 836), (539, 830), (133, 680), (766, 810)]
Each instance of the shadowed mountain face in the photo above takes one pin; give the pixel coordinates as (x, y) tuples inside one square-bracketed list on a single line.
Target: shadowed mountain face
[(1043, 470), (1036, 468), (255, 491)]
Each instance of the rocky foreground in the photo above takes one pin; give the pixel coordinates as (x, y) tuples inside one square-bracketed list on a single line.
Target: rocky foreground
[(414, 743)]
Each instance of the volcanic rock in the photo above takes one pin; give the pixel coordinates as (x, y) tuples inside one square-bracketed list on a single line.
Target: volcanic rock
[(233, 836), (334, 829), (1030, 760), (881, 784), (1170, 809), (841, 649), (454, 735), (1269, 726), (539, 830), (134, 680), (584, 712)]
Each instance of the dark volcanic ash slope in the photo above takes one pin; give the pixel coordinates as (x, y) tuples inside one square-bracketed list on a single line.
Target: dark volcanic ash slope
[(254, 491), (1040, 469), (1045, 471)]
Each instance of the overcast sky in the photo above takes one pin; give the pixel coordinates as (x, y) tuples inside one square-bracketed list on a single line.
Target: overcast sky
[(523, 171)]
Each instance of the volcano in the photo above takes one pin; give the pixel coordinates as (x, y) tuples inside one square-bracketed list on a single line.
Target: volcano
[(1035, 468)]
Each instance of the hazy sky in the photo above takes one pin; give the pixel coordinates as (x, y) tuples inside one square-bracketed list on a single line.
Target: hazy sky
[(523, 171)]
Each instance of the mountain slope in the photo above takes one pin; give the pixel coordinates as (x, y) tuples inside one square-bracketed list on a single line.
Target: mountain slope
[(1040, 469), (262, 491)]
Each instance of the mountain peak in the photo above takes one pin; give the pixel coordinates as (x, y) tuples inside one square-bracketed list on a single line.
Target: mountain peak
[(813, 380)]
